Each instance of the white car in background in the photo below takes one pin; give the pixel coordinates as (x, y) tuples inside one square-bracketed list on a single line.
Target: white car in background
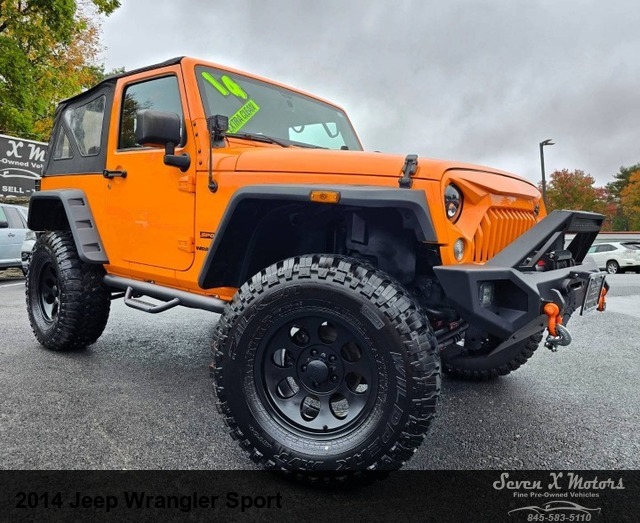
[(617, 257)]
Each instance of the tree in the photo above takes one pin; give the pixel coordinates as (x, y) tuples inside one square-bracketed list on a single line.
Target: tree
[(621, 179), (575, 190), (630, 200), (48, 52), (621, 220)]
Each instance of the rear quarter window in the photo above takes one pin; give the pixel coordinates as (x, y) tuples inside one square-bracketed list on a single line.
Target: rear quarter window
[(85, 122)]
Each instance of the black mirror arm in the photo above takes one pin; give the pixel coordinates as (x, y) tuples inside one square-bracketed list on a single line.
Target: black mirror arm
[(183, 161)]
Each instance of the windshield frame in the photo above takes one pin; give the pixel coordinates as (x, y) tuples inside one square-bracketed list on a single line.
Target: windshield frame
[(244, 82)]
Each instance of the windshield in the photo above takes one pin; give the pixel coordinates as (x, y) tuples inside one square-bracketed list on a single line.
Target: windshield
[(256, 107)]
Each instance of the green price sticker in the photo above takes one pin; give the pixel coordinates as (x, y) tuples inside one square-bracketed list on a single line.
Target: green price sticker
[(242, 116), (226, 85)]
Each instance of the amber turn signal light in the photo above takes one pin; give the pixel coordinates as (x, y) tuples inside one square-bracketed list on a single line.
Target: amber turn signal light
[(325, 196)]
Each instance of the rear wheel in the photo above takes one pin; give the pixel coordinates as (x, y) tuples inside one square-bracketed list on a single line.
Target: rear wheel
[(67, 302), (324, 364)]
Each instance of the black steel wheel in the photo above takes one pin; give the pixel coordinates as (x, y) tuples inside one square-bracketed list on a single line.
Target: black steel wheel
[(49, 296), (67, 301), (315, 373), (322, 363)]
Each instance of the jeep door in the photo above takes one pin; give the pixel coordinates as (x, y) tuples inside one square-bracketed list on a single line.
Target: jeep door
[(151, 209)]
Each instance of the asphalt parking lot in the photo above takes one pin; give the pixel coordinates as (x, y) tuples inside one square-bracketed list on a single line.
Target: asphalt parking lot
[(140, 398)]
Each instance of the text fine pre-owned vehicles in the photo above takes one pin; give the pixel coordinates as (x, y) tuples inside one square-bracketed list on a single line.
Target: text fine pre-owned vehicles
[(346, 280)]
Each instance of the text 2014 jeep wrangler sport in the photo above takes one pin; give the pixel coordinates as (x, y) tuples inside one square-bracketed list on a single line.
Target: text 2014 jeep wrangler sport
[(346, 280)]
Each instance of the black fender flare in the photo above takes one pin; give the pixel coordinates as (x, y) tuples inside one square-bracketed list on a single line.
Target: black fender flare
[(412, 204), (68, 210)]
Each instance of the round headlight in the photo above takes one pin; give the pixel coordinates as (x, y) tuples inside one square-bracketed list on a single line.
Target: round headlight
[(452, 202)]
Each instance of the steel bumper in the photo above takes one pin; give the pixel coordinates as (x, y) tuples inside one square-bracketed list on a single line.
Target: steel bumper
[(521, 286)]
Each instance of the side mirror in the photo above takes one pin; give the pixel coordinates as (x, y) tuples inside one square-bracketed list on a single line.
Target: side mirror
[(4, 224), (158, 128)]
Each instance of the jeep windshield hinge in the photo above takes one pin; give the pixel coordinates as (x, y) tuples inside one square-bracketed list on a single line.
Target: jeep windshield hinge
[(408, 170), (217, 126)]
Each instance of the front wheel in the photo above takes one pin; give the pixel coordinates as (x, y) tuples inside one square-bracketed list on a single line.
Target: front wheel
[(325, 364)]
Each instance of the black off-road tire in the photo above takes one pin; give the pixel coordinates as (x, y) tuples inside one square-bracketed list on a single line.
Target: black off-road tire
[(67, 301), (478, 366), (341, 331)]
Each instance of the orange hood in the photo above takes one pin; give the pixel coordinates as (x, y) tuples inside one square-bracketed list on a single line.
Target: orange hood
[(297, 160)]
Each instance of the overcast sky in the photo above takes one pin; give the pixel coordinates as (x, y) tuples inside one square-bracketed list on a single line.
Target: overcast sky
[(474, 80)]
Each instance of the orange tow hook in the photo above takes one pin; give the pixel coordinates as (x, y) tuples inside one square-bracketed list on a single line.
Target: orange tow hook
[(553, 311), (602, 302), (558, 333)]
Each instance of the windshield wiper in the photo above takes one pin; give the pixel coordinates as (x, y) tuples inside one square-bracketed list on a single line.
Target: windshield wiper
[(307, 145), (258, 138)]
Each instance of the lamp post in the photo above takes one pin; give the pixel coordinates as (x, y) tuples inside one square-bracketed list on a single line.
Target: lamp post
[(544, 181)]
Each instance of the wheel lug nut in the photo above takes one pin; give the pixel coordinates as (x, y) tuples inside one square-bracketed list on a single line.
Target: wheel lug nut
[(334, 378), (314, 352), (332, 358), (303, 368)]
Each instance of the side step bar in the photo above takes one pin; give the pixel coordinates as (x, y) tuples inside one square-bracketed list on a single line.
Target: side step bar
[(170, 297)]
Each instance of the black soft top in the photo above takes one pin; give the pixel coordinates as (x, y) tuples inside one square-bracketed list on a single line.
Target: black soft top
[(75, 162), (111, 80)]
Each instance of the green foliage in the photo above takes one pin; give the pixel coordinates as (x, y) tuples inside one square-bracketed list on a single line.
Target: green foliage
[(48, 52), (625, 218), (106, 6), (621, 179)]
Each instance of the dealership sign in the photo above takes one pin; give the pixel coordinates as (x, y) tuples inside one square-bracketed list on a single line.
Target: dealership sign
[(21, 163)]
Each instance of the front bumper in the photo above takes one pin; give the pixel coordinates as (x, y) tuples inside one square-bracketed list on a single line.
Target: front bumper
[(520, 290)]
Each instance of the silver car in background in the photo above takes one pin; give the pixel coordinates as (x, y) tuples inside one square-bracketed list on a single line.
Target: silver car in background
[(13, 229), (617, 257)]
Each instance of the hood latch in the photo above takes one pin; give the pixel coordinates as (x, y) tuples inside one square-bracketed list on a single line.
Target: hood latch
[(408, 170)]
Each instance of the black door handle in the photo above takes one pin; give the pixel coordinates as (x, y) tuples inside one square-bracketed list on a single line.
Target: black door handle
[(114, 174)]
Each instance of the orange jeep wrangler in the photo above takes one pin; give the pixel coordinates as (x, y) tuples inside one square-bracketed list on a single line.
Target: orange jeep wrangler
[(346, 280)]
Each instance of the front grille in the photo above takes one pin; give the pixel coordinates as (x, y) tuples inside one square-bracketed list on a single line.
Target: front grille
[(499, 228)]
